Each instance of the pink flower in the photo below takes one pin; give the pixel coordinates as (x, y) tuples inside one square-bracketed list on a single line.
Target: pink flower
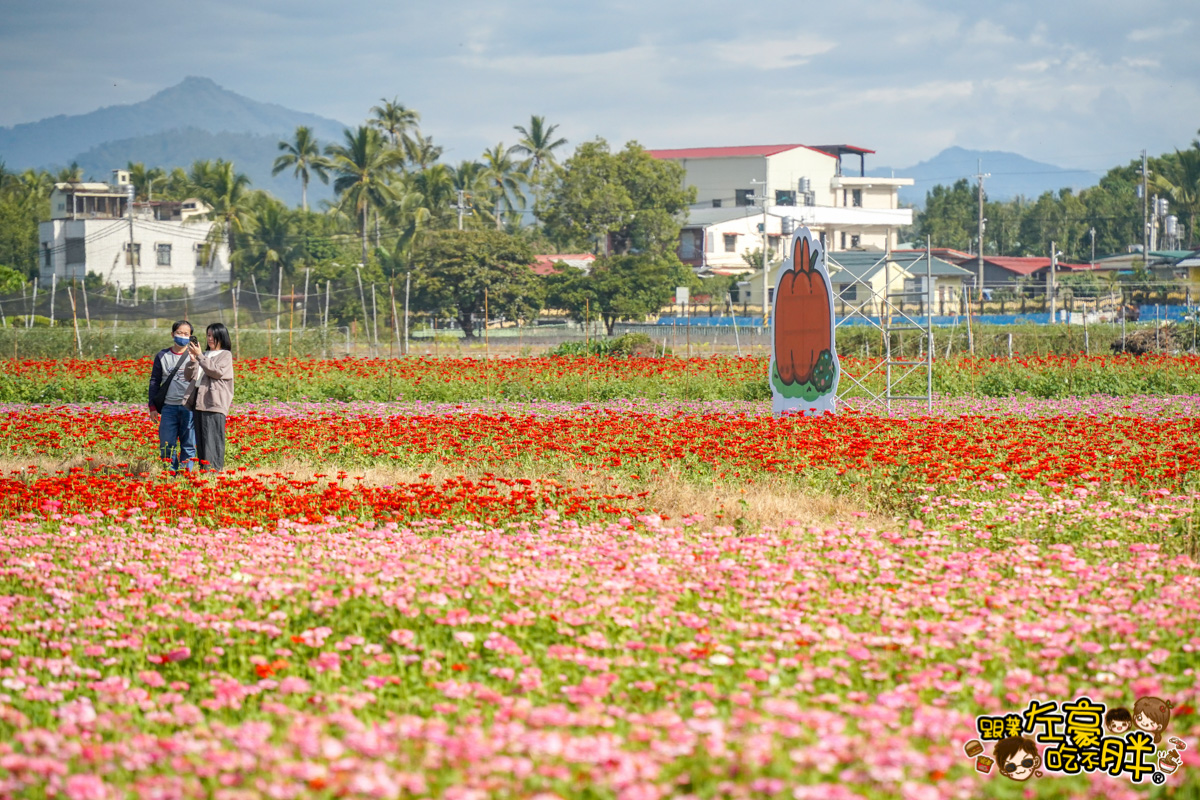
[(403, 637), (179, 654), (294, 685), (85, 787)]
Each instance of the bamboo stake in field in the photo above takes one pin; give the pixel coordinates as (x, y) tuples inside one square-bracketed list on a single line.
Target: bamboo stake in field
[(87, 316), (237, 346), (407, 285), (304, 310), (53, 290), (374, 322), (75, 322), (291, 319), (395, 319), (486, 347)]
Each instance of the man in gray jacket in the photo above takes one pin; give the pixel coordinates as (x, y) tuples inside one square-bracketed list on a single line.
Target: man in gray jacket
[(175, 420)]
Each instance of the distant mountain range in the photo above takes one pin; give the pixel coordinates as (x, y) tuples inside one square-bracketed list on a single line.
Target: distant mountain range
[(1012, 175), (195, 119)]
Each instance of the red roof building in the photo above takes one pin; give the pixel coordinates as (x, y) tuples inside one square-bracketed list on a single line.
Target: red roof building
[(547, 264)]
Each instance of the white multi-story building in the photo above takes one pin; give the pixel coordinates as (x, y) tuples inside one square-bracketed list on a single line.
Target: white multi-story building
[(161, 243), (805, 185)]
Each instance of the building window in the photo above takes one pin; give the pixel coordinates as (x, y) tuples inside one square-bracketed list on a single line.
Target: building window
[(133, 254), (857, 198), (162, 253), (843, 240), (855, 239), (773, 243), (743, 197), (717, 203), (76, 251), (46, 255), (201, 254), (850, 293), (731, 243), (770, 295), (690, 242), (784, 197)]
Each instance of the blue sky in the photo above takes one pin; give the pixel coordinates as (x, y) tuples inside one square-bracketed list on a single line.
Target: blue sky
[(1083, 85)]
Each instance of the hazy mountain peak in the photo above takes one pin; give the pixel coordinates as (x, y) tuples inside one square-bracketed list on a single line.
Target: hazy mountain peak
[(1011, 174), (197, 103)]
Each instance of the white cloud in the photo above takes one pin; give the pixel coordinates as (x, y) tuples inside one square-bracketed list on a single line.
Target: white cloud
[(773, 53)]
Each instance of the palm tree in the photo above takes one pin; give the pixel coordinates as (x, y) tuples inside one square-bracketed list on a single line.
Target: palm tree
[(228, 193), (71, 174), (394, 119), (537, 142), (304, 154), (502, 175), (363, 164), (421, 152), (143, 179), (1180, 179), (269, 241)]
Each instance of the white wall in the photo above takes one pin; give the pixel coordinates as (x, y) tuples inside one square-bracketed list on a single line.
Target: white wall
[(104, 253)]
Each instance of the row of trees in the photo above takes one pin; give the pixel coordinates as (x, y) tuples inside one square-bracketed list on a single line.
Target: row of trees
[(1112, 209), (456, 229)]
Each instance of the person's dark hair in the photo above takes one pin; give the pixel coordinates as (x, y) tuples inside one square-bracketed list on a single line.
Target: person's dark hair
[(180, 323), (221, 334), (1010, 746), (1118, 714)]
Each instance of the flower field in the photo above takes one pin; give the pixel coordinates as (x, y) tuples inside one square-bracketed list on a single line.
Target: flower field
[(591, 379), (644, 597)]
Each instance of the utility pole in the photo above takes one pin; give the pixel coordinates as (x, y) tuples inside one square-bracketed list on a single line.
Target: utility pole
[(980, 175), (1145, 216), (1051, 288), (1092, 233), (461, 207), (766, 272), (132, 262)]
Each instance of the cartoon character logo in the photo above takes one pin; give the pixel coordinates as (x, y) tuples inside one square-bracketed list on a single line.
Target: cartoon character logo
[(1151, 715), (804, 364), (1118, 720), (1017, 758)]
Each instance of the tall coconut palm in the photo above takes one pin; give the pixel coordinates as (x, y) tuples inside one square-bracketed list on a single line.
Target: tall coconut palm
[(362, 165), (303, 154), (143, 179), (538, 144), (1180, 180), (228, 193), (269, 243), (503, 176), (395, 120), (421, 152)]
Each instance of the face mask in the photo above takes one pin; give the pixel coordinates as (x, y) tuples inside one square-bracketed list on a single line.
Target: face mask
[(182, 341)]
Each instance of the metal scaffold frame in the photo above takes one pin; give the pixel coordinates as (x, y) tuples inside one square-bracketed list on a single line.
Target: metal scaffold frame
[(892, 319)]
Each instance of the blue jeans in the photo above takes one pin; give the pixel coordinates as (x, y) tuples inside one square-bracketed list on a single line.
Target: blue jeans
[(175, 425)]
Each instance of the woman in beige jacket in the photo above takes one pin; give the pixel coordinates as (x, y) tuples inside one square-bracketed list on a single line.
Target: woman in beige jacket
[(212, 394)]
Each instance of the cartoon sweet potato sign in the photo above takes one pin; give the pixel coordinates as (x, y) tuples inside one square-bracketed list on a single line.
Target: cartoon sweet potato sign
[(804, 363)]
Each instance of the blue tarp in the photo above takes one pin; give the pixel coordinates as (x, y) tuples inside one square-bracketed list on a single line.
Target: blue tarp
[(1148, 314)]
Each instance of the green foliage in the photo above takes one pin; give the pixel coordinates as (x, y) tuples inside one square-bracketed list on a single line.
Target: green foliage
[(453, 271), (950, 218), (11, 280), (630, 200), (1112, 208), (623, 346), (625, 287)]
